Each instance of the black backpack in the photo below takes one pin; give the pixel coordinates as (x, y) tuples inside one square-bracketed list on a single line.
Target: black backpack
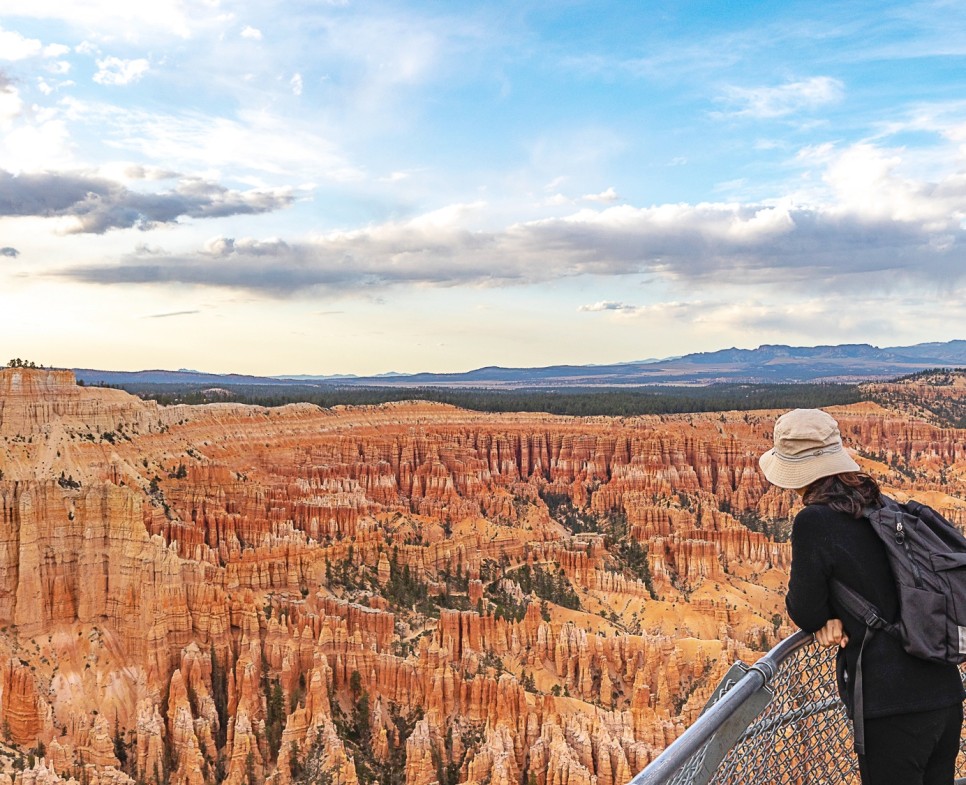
[(928, 559)]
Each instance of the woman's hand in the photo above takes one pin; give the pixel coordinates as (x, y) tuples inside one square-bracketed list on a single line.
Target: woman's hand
[(832, 634)]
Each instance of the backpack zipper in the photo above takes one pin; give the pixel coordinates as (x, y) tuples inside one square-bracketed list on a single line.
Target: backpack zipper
[(901, 540)]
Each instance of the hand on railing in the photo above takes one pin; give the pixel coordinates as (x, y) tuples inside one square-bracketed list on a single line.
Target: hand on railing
[(832, 634)]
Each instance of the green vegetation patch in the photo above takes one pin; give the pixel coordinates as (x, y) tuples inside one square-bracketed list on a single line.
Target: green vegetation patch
[(584, 402)]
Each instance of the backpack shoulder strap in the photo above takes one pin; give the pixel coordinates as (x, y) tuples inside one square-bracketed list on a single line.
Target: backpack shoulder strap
[(858, 701), (869, 615), (860, 607)]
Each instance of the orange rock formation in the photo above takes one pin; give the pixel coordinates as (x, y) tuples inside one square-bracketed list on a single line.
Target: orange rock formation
[(192, 595)]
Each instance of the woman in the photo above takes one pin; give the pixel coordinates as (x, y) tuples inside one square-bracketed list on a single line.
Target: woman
[(913, 708)]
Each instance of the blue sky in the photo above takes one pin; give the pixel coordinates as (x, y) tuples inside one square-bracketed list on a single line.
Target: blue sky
[(359, 187)]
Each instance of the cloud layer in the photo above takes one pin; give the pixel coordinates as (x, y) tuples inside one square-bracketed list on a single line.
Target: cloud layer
[(810, 247), (97, 204), (768, 102)]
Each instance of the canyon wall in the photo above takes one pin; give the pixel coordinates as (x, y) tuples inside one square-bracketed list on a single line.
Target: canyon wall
[(407, 592)]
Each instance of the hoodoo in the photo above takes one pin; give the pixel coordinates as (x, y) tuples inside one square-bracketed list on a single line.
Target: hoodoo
[(408, 592)]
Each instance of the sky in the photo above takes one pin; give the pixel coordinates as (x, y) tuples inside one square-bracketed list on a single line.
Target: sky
[(342, 186)]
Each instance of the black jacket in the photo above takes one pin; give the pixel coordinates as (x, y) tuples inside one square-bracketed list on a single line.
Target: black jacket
[(828, 544)]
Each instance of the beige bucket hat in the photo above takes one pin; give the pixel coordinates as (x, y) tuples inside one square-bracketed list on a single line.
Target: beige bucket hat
[(808, 446)]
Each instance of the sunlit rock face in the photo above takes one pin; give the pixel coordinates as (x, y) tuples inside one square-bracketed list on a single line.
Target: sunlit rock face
[(404, 593)]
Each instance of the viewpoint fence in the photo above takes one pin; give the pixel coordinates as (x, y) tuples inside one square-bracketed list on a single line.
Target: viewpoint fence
[(779, 722)]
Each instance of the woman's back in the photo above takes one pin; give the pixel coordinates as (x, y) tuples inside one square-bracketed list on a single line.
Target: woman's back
[(829, 544)]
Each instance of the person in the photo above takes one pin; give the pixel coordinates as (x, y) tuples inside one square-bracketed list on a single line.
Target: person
[(913, 708)]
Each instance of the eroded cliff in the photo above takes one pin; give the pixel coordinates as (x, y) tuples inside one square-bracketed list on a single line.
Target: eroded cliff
[(408, 592)]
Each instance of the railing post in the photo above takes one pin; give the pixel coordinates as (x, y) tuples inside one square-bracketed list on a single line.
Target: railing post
[(731, 730), (728, 717), (681, 749)]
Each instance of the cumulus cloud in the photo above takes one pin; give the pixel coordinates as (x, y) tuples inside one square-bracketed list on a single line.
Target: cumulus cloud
[(97, 204), (783, 100), (14, 46), (7, 251), (115, 71), (296, 83), (251, 32), (606, 305), (35, 146), (610, 195)]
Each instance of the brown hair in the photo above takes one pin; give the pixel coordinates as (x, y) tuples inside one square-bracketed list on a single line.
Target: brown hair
[(848, 492)]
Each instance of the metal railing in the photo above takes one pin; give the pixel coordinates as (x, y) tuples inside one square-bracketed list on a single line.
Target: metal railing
[(779, 721)]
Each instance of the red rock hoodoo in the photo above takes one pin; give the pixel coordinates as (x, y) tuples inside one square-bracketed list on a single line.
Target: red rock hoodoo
[(198, 594)]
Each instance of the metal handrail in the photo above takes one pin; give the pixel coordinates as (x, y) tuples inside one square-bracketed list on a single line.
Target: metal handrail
[(777, 721), (714, 718)]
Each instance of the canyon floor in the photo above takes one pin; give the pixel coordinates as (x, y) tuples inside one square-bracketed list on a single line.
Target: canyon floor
[(407, 593)]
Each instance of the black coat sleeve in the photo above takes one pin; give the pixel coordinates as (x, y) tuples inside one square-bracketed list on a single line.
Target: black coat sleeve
[(807, 600)]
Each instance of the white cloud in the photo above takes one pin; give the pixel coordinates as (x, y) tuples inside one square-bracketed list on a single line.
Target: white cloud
[(122, 171), (866, 180), (607, 305), (820, 153), (252, 32), (11, 104), (557, 200), (453, 217), (14, 46), (610, 195), (44, 144), (784, 100), (56, 50), (555, 183), (254, 141), (296, 83), (47, 88), (115, 71), (132, 21)]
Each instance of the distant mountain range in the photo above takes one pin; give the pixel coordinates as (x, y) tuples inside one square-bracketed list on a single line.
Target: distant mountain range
[(766, 364)]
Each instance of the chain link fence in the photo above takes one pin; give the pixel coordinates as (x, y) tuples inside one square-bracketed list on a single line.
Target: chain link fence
[(779, 722)]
